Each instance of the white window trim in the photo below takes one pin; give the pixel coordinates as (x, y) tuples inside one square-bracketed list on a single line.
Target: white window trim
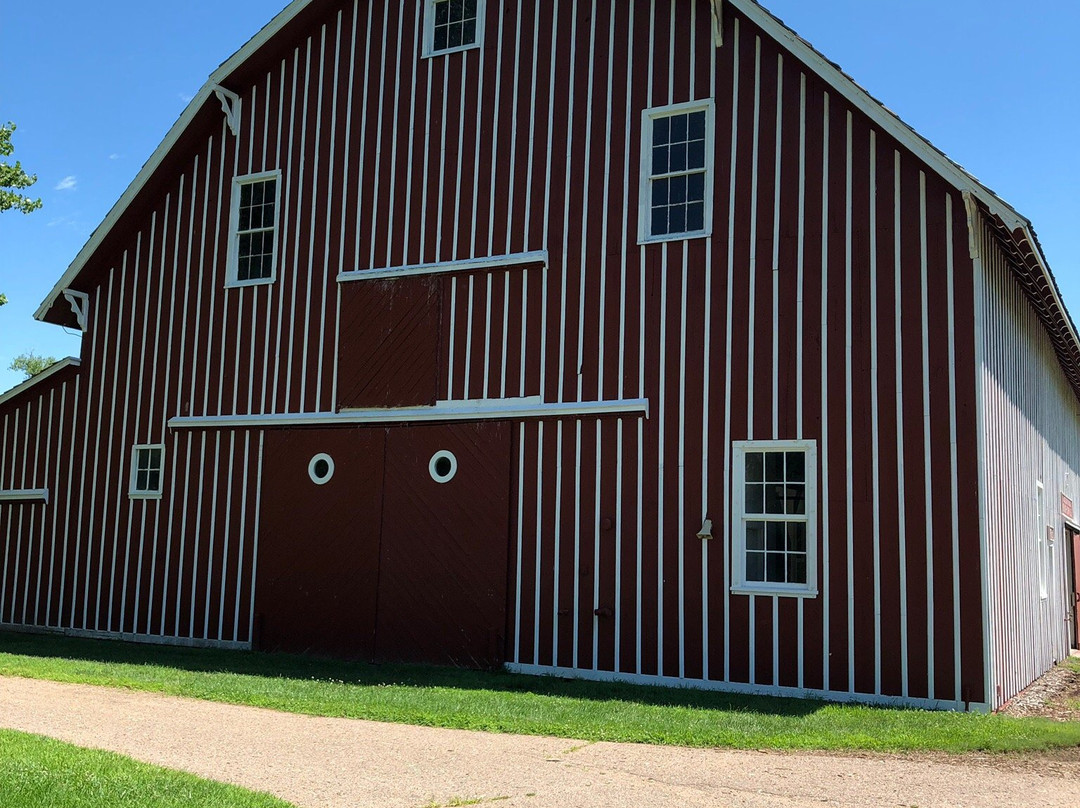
[(231, 280), (329, 472), (739, 584), (645, 185), (134, 494), (428, 51)]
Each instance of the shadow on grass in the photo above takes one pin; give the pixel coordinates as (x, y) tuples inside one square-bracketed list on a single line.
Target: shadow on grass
[(293, 666)]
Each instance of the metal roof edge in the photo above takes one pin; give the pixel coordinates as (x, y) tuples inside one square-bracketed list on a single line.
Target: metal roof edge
[(37, 379), (178, 128)]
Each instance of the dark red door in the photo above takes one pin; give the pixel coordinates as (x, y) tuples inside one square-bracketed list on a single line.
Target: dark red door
[(319, 548), (1075, 587), (443, 577)]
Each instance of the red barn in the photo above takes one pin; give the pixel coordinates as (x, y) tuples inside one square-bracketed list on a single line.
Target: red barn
[(615, 340)]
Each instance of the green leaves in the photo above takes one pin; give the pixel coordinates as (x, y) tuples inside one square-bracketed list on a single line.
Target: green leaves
[(13, 178), (31, 364)]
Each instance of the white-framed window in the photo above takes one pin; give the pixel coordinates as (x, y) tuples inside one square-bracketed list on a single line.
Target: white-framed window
[(452, 25), (253, 230), (676, 172), (443, 466), (147, 471), (774, 543), (321, 468)]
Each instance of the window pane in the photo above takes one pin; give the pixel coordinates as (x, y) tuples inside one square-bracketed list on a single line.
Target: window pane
[(796, 499), (776, 568), (755, 498), (678, 157), (697, 125), (774, 498), (755, 567), (755, 535), (695, 154), (796, 572), (695, 187), (245, 244), (457, 10), (774, 467), (245, 195), (796, 467), (661, 131), (660, 160), (695, 216), (659, 222), (141, 479), (660, 193), (677, 218), (154, 458), (755, 467), (440, 39), (245, 219), (453, 35), (243, 269), (256, 193), (267, 268), (678, 128), (470, 9), (796, 537), (678, 190), (154, 481), (468, 36), (774, 536)]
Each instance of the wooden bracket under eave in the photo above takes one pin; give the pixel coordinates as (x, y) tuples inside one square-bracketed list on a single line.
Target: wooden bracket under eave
[(230, 105), (80, 304), (718, 22)]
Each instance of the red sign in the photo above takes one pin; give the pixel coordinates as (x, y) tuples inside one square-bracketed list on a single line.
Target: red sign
[(1067, 507)]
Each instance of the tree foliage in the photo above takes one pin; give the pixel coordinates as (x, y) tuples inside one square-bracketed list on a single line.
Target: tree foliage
[(12, 177), (31, 364)]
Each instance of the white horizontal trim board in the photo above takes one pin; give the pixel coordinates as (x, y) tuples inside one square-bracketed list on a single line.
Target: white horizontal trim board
[(24, 495), (38, 379), (747, 689), (501, 409), (146, 639), (525, 259)]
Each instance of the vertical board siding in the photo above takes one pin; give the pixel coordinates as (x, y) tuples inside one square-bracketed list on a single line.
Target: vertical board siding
[(833, 301), (1030, 435)]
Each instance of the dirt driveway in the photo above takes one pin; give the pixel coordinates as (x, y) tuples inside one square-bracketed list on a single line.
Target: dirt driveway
[(343, 763)]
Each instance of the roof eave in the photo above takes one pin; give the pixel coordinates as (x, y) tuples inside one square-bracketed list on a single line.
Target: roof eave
[(37, 379)]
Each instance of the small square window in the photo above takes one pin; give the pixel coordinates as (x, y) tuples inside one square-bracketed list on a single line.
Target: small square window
[(452, 25), (775, 523), (147, 470), (676, 175), (253, 229)]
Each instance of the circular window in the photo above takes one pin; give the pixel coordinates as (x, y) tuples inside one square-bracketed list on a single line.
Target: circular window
[(443, 466), (321, 469)]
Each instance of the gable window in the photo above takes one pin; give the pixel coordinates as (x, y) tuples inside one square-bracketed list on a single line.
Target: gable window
[(452, 25), (775, 518), (253, 229), (147, 465), (676, 171)]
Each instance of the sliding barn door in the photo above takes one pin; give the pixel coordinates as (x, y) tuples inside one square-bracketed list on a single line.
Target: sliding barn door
[(443, 578)]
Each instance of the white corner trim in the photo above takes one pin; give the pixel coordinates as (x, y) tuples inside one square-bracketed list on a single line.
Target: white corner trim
[(24, 495), (231, 105), (38, 379), (80, 305), (445, 411), (467, 265)]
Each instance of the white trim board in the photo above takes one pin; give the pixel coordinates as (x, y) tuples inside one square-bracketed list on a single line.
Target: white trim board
[(512, 260), (738, 687), (487, 410), (145, 639), (38, 379), (24, 495)]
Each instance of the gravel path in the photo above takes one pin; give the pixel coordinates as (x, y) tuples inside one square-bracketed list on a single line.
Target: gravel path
[(342, 763)]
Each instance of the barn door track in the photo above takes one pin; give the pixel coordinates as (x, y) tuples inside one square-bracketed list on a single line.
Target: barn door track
[(345, 763)]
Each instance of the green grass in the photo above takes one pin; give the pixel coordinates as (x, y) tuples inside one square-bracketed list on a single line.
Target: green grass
[(503, 702), (1073, 664), (38, 772)]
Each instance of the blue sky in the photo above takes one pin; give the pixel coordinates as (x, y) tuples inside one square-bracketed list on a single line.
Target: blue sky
[(94, 87)]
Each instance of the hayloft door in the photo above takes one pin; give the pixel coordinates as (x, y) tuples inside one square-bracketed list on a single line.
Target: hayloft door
[(1074, 542), (443, 558)]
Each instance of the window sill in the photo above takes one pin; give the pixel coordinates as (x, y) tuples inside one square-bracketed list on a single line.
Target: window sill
[(144, 495), (774, 592), (674, 237), (258, 282), (447, 51)]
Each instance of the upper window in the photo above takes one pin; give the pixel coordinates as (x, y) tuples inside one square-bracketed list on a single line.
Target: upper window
[(147, 463), (253, 229), (775, 524), (452, 25), (676, 171)]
